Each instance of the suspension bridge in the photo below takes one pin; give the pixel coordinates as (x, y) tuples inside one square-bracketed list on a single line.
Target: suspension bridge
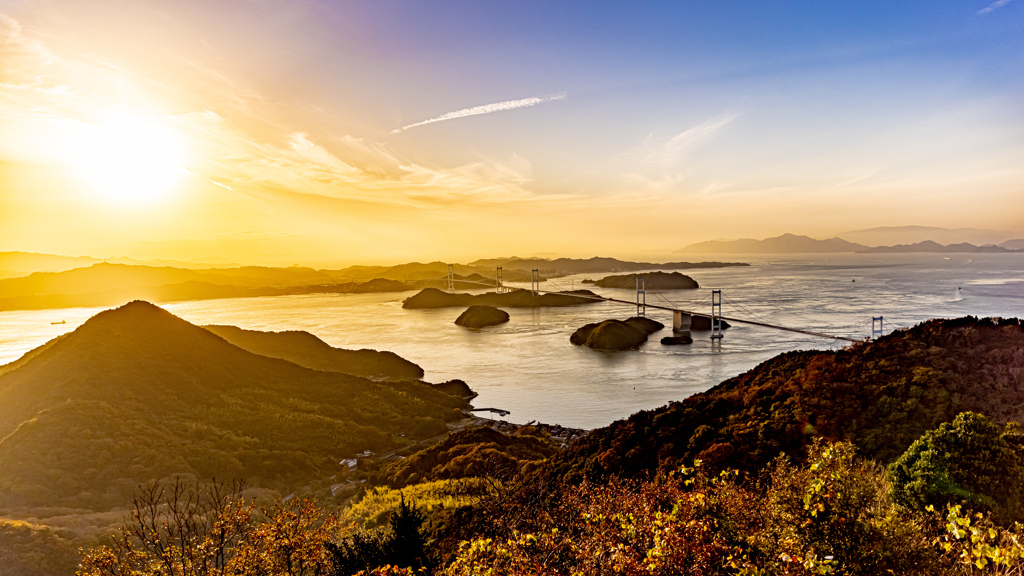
[(681, 317)]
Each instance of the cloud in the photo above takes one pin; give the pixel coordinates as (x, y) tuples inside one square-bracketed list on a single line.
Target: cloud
[(485, 109), (667, 153), (352, 172), (661, 164), (993, 6)]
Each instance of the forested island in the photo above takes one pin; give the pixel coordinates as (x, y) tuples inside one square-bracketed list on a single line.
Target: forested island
[(816, 462)]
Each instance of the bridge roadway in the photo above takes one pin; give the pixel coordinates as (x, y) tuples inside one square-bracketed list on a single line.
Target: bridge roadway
[(738, 320)]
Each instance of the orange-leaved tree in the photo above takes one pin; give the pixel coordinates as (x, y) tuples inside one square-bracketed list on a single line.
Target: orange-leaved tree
[(195, 530)]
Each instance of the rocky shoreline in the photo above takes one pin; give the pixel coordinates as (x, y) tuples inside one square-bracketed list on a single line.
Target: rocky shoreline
[(561, 435)]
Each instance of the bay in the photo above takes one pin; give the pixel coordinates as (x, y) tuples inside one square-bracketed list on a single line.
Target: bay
[(528, 366)]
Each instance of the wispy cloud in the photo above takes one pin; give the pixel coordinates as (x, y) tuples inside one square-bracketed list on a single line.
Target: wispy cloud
[(993, 6), (485, 109), (664, 153), (662, 163)]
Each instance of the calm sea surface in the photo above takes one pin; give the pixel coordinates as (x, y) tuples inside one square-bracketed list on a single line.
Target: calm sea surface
[(528, 366)]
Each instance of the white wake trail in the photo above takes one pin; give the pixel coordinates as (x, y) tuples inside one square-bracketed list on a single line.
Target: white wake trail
[(484, 109)]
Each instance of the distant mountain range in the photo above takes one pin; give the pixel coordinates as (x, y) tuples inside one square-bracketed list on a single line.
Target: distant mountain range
[(792, 243), (13, 264), (21, 263), (561, 266), (892, 235), (779, 244), (929, 246), (108, 284)]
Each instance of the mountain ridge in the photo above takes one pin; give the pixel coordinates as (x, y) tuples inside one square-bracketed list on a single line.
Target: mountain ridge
[(137, 394), (880, 394), (307, 350)]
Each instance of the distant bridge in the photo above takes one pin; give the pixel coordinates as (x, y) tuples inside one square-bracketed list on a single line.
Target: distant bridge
[(680, 317)]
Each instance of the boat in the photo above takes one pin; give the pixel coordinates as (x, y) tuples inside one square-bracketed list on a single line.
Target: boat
[(61, 322)]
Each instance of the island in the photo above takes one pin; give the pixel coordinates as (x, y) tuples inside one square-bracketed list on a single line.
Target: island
[(652, 280), (616, 334), (481, 317)]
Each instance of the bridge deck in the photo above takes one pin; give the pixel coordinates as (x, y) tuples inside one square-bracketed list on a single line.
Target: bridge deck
[(659, 307)]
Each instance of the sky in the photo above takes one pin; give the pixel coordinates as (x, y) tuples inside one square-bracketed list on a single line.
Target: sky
[(335, 132)]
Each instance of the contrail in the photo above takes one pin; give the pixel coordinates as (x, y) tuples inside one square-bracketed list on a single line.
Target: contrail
[(485, 109), (993, 6)]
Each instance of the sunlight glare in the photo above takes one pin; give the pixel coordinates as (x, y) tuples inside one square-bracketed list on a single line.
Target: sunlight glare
[(130, 160)]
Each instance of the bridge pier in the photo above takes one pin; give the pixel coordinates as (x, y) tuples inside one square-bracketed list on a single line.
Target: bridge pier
[(681, 321)]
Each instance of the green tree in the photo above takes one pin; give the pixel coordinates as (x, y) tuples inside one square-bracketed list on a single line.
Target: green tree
[(837, 511), (970, 459), (407, 544), (401, 545)]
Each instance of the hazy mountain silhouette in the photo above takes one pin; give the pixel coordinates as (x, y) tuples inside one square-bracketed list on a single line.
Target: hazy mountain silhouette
[(22, 263), (136, 394), (108, 284), (935, 247), (891, 235), (560, 266), (787, 243)]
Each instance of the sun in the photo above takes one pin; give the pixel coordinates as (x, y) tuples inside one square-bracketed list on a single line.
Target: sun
[(130, 160)]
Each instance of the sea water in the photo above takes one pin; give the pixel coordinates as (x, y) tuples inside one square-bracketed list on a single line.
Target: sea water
[(528, 367)]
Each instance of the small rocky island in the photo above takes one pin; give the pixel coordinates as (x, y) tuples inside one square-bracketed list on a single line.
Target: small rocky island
[(652, 281), (616, 334), (481, 316)]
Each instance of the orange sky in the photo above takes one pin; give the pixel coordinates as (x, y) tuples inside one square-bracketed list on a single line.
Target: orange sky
[(273, 133)]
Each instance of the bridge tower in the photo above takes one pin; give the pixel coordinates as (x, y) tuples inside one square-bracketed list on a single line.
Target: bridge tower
[(535, 282), (499, 281), (641, 296), (716, 314), (878, 332), (451, 278)]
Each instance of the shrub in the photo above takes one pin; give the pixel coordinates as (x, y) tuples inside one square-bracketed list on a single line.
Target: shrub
[(967, 460)]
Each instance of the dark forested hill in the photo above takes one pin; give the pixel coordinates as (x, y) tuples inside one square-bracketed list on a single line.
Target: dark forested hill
[(307, 350), (136, 394), (881, 394), (474, 452)]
